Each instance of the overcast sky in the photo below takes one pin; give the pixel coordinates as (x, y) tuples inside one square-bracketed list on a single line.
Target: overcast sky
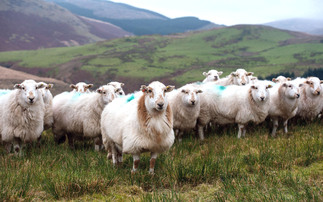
[(231, 12)]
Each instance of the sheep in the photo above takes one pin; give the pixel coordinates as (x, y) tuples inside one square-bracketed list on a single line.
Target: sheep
[(118, 88), (141, 124), (22, 113), (211, 75), (239, 77), (283, 103), (81, 87), (310, 103), (233, 104), (185, 104), (78, 114), (48, 101), (281, 79)]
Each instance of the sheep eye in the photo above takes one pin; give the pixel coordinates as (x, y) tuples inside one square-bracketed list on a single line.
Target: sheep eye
[(149, 91), (290, 86)]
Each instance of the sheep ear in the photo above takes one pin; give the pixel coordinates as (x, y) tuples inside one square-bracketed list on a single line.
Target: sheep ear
[(99, 90), (300, 85), (143, 88), (89, 85), (249, 73), (49, 86), (288, 79), (234, 74), (308, 82), (274, 80), (169, 88), (269, 86), (183, 91), (122, 84), (284, 84), (253, 87), (73, 86), (220, 73), (41, 85), (18, 86), (321, 81), (204, 73)]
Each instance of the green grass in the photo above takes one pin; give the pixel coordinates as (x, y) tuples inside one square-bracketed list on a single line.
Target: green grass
[(183, 57), (255, 168)]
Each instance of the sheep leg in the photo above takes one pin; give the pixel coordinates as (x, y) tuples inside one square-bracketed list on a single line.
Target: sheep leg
[(200, 132), (8, 146), (153, 157), (136, 161), (285, 126), (242, 130), (114, 153), (180, 136), (97, 144), (16, 146), (275, 126)]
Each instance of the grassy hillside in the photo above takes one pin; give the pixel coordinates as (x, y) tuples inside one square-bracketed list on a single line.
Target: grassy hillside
[(176, 59), (222, 168)]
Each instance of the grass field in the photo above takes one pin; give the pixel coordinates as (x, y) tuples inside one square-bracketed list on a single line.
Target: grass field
[(255, 168), (181, 58)]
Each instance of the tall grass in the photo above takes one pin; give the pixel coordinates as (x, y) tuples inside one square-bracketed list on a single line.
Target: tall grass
[(255, 168)]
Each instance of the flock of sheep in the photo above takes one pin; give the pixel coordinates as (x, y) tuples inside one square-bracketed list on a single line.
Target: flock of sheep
[(145, 121)]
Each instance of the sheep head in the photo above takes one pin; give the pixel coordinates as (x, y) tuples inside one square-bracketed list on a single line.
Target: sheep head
[(29, 90)]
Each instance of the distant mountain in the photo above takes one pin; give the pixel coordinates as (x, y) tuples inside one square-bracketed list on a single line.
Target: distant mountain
[(33, 24), (310, 26), (132, 19)]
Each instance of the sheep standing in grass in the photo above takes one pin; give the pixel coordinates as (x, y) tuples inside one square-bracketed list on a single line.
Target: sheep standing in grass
[(185, 104), (212, 75), (22, 115), (283, 103), (143, 124), (310, 103), (233, 104), (48, 101), (78, 114), (81, 87), (118, 88), (240, 77)]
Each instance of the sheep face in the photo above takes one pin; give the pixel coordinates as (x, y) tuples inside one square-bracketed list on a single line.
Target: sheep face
[(29, 91), (281, 79), (260, 92), (155, 99), (190, 95), (117, 88), (81, 87), (314, 84), (212, 75), (107, 93), (46, 94), (241, 77), (291, 90)]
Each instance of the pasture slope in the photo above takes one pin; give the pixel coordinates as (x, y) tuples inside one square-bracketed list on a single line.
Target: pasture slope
[(222, 168), (175, 59)]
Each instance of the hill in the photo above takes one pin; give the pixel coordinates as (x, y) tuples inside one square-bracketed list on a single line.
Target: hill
[(9, 77), (135, 20), (175, 59), (34, 24), (310, 26)]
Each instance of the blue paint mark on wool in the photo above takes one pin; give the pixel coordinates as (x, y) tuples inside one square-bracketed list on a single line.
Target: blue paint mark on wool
[(4, 92), (131, 97), (76, 95)]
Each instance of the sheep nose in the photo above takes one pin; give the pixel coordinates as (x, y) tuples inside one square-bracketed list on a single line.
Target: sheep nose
[(262, 98), (160, 105), (193, 102), (243, 84), (318, 92), (297, 95), (216, 78), (31, 99)]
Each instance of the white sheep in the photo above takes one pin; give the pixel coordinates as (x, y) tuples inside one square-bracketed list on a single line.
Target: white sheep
[(81, 87), (185, 104), (281, 79), (233, 104), (118, 88), (78, 114), (22, 115), (212, 75), (310, 103), (48, 101), (283, 103), (240, 77), (142, 124)]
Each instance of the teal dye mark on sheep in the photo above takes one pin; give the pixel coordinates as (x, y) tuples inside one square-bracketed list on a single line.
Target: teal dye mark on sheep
[(4, 92), (131, 97), (198, 83), (76, 96), (218, 89)]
